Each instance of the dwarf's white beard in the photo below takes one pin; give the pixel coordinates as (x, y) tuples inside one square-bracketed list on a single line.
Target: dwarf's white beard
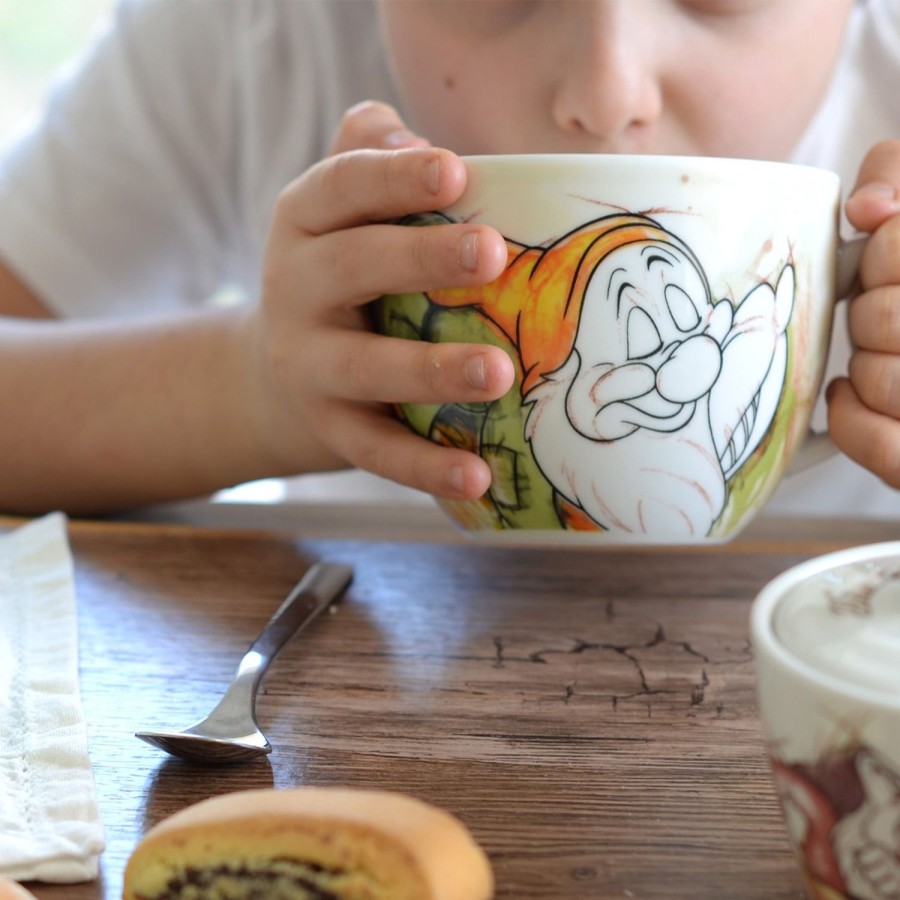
[(632, 485)]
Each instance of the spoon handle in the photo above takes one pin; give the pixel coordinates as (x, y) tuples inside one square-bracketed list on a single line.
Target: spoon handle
[(313, 594)]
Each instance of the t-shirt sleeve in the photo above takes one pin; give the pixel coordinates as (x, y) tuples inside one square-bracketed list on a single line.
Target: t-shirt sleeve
[(121, 198)]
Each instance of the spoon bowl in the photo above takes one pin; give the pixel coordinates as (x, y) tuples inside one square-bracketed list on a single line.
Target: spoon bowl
[(230, 733)]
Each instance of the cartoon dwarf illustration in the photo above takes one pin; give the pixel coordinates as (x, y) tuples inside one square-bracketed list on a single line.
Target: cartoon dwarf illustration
[(623, 348)]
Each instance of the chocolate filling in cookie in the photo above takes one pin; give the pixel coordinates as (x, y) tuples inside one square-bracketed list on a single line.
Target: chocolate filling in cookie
[(276, 879)]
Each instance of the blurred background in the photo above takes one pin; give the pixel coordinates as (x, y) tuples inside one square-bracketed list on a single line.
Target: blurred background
[(36, 38)]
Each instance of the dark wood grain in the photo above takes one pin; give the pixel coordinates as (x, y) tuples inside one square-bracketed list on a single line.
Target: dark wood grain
[(591, 716)]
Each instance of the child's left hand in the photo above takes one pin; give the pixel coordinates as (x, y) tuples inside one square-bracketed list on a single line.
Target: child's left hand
[(864, 409)]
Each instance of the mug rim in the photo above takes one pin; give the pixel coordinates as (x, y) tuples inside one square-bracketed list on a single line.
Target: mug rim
[(710, 163), (764, 640)]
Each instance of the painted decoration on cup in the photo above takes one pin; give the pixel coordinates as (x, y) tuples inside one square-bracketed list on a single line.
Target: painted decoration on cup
[(834, 762), (620, 345), (843, 814)]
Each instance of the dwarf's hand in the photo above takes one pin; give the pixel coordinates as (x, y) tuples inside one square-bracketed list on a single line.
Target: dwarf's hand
[(332, 249), (864, 409)]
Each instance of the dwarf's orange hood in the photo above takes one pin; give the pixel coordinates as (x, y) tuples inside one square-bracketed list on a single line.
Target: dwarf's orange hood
[(536, 302)]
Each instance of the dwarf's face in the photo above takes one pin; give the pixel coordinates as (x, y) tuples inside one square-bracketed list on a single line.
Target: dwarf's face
[(642, 300), (642, 356)]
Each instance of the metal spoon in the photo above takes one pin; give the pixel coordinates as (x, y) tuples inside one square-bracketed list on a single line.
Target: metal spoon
[(230, 732)]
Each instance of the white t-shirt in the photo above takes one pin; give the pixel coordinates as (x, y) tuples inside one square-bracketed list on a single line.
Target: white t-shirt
[(149, 182)]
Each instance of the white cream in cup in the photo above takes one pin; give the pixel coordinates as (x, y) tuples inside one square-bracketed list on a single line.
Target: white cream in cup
[(669, 319), (826, 637)]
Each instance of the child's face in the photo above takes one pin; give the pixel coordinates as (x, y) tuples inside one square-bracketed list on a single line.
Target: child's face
[(702, 77)]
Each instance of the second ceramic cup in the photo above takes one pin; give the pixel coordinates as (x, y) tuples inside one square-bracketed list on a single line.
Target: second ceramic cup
[(826, 637)]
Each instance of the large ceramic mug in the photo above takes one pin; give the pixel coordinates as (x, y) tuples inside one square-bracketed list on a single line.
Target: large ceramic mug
[(669, 320), (826, 636)]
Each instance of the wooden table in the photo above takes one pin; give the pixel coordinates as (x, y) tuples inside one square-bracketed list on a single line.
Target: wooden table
[(590, 715)]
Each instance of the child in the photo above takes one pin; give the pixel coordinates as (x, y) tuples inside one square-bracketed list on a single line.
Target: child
[(204, 145)]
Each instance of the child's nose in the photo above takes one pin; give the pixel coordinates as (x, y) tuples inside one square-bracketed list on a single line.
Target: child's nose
[(608, 83)]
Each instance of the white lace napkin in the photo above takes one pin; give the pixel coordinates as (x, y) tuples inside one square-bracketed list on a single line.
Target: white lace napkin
[(49, 823)]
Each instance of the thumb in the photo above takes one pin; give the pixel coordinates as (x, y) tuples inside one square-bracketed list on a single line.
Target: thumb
[(374, 126), (876, 196)]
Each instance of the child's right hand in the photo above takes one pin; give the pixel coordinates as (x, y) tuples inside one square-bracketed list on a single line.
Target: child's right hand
[(327, 381)]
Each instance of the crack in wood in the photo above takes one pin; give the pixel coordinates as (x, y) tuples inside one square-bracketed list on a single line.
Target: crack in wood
[(626, 651)]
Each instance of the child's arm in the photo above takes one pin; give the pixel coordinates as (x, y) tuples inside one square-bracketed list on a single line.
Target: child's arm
[(864, 409), (107, 415)]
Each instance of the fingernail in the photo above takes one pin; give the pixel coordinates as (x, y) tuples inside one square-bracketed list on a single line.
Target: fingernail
[(468, 251), (476, 372), (433, 176), (359, 107), (456, 478), (400, 138), (878, 190)]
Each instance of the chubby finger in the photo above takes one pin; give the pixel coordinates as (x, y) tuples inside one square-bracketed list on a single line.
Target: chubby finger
[(370, 438), (870, 438), (880, 263), (356, 266), (875, 378), (374, 125), (876, 195), (366, 367), (874, 319), (364, 186)]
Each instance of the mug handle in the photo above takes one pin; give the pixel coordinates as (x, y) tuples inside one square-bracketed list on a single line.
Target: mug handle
[(818, 446)]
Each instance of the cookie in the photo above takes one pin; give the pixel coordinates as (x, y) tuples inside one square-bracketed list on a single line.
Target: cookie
[(309, 844)]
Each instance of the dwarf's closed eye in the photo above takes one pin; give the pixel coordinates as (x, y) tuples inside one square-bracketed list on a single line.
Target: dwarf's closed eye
[(643, 338), (681, 308)]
